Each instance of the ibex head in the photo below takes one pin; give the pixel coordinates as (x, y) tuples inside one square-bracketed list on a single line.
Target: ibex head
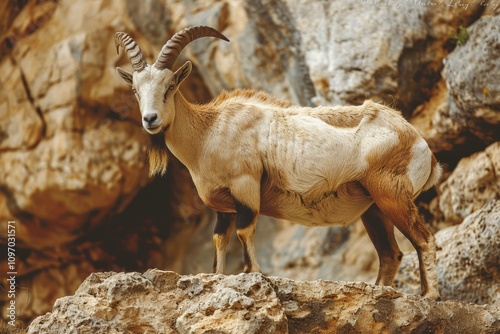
[(155, 85)]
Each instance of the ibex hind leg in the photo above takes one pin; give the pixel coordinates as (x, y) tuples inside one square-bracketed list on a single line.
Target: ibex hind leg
[(393, 196), (381, 232)]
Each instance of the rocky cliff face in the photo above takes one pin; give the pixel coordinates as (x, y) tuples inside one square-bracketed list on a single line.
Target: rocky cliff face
[(74, 169)]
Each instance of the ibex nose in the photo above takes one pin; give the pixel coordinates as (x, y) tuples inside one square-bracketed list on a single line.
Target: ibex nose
[(150, 118)]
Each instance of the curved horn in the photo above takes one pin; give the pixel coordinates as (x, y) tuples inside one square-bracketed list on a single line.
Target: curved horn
[(133, 51), (174, 46)]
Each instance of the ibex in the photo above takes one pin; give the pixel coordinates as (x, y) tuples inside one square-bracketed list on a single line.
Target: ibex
[(250, 154)]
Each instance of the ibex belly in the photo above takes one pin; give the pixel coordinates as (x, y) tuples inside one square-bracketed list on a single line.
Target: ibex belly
[(339, 207)]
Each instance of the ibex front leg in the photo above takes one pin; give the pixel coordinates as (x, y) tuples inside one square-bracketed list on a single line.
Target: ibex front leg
[(224, 228), (246, 221)]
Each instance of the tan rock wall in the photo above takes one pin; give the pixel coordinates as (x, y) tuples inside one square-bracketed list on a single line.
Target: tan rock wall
[(70, 159), (472, 184)]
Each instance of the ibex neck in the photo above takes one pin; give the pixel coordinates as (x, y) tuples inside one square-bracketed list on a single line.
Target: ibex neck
[(187, 131)]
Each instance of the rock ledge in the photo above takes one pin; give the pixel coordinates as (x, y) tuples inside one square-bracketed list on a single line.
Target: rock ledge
[(166, 302)]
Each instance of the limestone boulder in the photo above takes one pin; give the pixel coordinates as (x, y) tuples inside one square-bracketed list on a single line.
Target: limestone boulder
[(436, 125), (165, 302), (472, 74), (472, 184), (462, 114)]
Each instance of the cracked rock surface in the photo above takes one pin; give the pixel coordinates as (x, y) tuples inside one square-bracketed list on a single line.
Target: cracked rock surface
[(472, 184), (165, 302)]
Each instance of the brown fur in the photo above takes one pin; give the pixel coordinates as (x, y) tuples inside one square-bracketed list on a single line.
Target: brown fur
[(436, 172), (221, 200), (158, 155), (392, 195), (226, 96), (347, 118), (394, 160), (381, 233)]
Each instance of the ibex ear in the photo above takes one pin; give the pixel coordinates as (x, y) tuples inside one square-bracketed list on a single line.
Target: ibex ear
[(125, 75), (182, 72)]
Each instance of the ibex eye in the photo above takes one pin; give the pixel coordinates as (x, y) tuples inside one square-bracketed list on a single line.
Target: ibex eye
[(171, 87), (136, 94)]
